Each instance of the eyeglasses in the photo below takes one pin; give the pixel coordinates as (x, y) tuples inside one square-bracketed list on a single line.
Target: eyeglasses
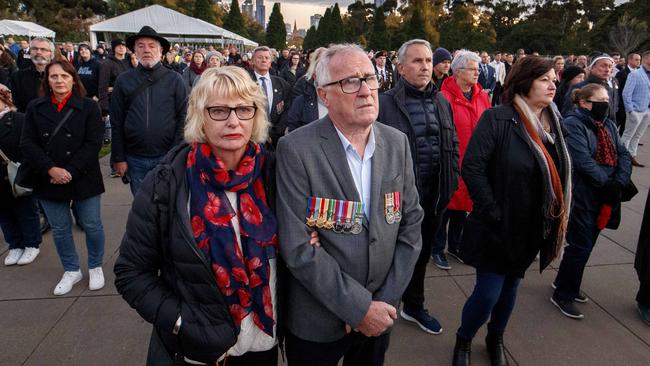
[(596, 101), (40, 49), (222, 113), (353, 85), (476, 70)]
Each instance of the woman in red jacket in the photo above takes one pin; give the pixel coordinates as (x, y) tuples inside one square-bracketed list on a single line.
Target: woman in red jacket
[(468, 102)]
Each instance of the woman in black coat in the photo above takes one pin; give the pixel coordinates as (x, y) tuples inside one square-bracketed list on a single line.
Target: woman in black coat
[(601, 168), (517, 170), (199, 256), (19, 218), (61, 140)]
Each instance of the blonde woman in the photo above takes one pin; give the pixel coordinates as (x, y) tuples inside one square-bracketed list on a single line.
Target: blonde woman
[(198, 259)]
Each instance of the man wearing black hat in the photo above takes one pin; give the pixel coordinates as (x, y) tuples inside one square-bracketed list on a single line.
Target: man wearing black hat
[(385, 72), (147, 108)]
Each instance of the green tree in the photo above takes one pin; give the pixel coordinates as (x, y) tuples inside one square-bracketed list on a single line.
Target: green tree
[(379, 38), (276, 33), (323, 33), (357, 20), (254, 29), (336, 25), (504, 15), (70, 20), (462, 30), (234, 21), (203, 10), (415, 26), (310, 41)]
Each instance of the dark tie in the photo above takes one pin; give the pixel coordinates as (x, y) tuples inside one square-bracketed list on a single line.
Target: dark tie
[(263, 79)]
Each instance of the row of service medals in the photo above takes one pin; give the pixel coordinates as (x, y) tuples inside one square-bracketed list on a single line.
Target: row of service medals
[(340, 216), (392, 207)]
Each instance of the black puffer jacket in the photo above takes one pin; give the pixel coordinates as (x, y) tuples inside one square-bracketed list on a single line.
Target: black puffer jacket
[(393, 112), (162, 274), (154, 123)]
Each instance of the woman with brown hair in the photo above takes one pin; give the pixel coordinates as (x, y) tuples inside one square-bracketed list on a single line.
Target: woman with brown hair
[(192, 74), (601, 168), (517, 170), (61, 140)]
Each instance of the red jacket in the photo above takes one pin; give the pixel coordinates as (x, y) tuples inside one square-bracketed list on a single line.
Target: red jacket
[(466, 115)]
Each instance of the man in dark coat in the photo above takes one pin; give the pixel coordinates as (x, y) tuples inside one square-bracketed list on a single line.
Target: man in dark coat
[(276, 90), (114, 65), (26, 83), (147, 117), (642, 265), (415, 108), (385, 72)]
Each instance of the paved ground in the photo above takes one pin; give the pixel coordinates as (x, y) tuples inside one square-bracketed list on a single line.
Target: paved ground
[(98, 328)]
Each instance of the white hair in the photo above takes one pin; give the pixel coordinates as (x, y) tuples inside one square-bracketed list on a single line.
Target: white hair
[(461, 59), (322, 67)]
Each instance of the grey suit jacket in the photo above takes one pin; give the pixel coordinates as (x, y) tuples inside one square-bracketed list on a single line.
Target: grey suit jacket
[(333, 285)]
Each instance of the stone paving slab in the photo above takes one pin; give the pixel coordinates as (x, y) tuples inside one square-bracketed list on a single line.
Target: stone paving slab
[(98, 327)]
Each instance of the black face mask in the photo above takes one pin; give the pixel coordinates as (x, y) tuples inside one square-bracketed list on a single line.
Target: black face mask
[(599, 110)]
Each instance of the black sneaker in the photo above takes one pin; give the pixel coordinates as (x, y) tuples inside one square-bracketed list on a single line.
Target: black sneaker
[(567, 308), (581, 298), (422, 318), (455, 253), (440, 261)]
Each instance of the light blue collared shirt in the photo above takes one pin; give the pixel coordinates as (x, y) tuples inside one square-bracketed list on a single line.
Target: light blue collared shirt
[(361, 169)]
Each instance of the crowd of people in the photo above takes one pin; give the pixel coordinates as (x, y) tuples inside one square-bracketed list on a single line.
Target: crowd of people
[(296, 199)]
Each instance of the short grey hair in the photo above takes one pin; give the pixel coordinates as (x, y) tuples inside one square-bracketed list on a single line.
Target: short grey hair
[(42, 39), (322, 67), (401, 53), (462, 58), (260, 49)]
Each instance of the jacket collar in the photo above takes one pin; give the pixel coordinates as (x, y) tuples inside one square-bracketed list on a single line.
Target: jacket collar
[(450, 85), (75, 102)]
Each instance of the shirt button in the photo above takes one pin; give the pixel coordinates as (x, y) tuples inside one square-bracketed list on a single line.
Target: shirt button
[(67, 152), (46, 134), (68, 135)]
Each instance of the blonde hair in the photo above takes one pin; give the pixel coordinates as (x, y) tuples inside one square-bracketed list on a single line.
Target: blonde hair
[(224, 82)]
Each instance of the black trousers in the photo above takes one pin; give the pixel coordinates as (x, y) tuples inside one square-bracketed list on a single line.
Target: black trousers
[(413, 297), (355, 349)]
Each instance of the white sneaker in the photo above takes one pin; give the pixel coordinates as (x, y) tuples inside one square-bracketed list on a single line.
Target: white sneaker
[(96, 278), (13, 256), (28, 256), (67, 281)]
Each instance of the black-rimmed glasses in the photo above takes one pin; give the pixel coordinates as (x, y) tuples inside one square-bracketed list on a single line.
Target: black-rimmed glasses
[(221, 113), (352, 85)]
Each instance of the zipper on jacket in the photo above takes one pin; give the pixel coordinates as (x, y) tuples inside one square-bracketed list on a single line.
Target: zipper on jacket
[(147, 108)]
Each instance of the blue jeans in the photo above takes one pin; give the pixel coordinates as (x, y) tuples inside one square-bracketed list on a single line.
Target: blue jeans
[(452, 236), (20, 222), (493, 298), (58, 214), (139, 166), (581, 236)]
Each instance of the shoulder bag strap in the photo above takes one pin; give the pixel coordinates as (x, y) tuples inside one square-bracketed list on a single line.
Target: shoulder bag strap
[(4, 157), (58, 127), (149, 81)]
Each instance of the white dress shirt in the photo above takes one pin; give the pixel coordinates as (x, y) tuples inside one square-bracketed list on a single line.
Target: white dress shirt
[(361, 169), (269, 88)]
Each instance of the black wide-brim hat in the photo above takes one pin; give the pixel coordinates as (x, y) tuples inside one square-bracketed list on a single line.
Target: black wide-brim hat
[(147, 32)]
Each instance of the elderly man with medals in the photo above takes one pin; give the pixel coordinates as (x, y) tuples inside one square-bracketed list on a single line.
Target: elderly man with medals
[(351, 180)]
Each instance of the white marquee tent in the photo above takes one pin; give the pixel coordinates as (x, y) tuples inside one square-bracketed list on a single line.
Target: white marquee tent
[(172, 25), (22, 28)]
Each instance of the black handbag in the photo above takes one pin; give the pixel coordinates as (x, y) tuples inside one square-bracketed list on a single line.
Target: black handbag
[(26, 176)]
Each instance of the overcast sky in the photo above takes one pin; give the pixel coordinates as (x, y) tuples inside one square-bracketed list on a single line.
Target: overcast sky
[(300, 11)]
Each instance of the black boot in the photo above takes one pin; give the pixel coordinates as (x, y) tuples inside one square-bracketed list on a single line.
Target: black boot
[(497, 351), (462, 352)]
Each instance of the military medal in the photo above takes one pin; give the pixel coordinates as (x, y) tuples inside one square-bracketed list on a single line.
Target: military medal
[(329, 223), (358, 218), (320, 221), (311, 214), (389, 208), (347, 225), (338, 225), (398, 207)]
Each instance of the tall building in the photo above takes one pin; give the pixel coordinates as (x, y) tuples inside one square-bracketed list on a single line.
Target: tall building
[(260, 13), (314, 20), (247, 8)]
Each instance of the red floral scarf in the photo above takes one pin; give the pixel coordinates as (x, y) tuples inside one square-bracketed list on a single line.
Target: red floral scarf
[(242, 274)]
